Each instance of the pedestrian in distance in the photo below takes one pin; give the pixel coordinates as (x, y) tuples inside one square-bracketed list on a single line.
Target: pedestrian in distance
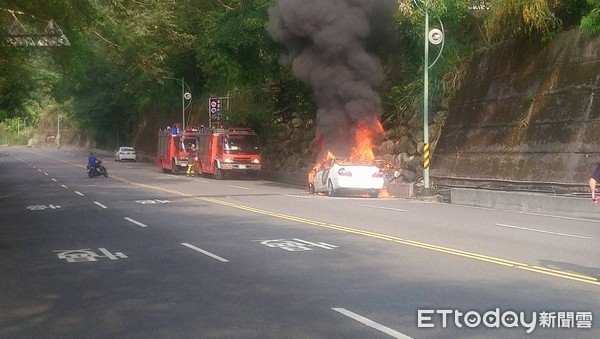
[(594, 179)]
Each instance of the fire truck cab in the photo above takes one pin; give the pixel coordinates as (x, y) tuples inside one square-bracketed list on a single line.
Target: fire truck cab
[(227, 151), (173, 147)]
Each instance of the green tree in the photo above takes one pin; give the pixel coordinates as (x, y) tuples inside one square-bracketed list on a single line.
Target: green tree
[(404, 95), (590, 22), (121, 66), (235, 54), (27, 73), (121, 50), (527, 18)]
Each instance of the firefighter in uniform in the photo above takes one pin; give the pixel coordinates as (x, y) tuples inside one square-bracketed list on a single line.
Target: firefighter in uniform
[(191, 160)]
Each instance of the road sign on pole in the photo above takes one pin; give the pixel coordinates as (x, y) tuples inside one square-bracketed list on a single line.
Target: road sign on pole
[(216, 105)]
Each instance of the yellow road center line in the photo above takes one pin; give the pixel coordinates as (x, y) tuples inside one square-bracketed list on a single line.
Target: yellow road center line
[(412, 243)]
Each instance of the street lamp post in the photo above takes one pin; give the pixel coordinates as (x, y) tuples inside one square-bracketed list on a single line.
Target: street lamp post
[(434, 36), (184, 96), (18, 122), (59, 118)]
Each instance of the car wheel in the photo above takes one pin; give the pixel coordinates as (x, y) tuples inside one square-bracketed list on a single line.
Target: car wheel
[(374, 194), (330, 190)]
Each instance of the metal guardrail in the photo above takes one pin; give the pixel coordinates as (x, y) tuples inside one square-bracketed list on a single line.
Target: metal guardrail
[(557, 188)]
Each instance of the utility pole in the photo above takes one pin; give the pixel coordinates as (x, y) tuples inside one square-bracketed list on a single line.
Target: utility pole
[(435, 37), (184, 96), (58, 131)]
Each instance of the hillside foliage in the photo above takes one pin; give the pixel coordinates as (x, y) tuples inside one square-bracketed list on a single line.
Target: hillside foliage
[(123, 53)]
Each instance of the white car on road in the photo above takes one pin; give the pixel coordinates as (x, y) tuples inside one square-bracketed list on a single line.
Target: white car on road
[(125, 153), (342, 178)]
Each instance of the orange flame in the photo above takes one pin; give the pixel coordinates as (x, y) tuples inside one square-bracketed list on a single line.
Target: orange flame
[(360, 153), (384, 193), (323, 162)]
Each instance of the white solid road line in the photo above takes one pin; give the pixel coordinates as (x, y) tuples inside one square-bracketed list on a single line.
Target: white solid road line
[(135, 222), (546, 232), (297, 196), (204, 252), (99, 204), (527, 213), (240, 187), (385, 208), (371, 323), (79, 193)]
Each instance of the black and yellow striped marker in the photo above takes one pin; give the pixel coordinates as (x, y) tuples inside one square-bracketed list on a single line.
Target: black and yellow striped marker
[(426, 156)]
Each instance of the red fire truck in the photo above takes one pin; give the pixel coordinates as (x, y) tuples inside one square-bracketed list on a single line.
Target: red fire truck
[(173, 147), (227, 151)]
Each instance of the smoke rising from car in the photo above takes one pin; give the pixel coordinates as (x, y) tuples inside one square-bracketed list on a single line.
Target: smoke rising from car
[(326, 40)]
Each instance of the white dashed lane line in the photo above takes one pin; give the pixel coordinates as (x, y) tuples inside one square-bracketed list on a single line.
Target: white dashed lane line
[(371, 323), (133, 221), (54, 180), (214, 256), (99, 204), (64, 186), (79, 193)]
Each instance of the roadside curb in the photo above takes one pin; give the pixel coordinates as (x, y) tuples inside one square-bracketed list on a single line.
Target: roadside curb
[(538, 203)]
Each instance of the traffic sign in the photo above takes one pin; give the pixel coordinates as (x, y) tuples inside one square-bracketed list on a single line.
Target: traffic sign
[(436, 36)]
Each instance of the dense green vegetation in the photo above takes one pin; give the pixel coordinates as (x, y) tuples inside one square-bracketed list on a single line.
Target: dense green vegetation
[(121, 51)]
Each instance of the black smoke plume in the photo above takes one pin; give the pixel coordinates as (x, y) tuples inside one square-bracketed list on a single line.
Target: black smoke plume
[(326, 40)]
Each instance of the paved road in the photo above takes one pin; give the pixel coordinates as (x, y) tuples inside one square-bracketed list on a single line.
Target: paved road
[(144, 254)]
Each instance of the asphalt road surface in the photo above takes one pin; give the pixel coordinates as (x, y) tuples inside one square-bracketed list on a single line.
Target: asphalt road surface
[(143, 254)]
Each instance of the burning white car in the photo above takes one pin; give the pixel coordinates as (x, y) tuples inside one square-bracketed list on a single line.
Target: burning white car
[(341, 178)]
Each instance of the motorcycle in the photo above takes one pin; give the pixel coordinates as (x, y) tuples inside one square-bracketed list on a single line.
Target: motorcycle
[(98, 171)]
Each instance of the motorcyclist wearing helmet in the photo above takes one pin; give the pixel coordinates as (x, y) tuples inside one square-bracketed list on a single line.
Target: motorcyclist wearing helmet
[(92, 160)]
